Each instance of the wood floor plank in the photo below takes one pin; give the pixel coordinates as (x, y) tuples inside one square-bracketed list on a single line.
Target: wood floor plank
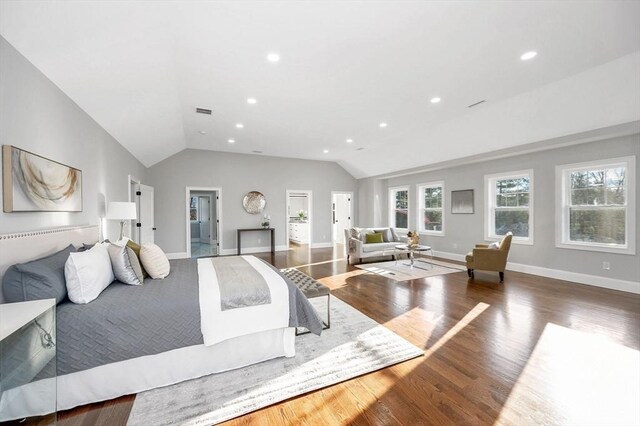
[(479, 336)]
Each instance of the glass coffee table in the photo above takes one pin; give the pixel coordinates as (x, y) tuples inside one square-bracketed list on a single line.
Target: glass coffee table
[(411, 251)]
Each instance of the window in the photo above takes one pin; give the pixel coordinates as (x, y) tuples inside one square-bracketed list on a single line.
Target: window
[(596, 205), (510, 206), (430, 208), (399, 207)]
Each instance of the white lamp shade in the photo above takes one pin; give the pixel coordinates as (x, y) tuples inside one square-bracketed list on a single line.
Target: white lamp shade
[(118, 210)]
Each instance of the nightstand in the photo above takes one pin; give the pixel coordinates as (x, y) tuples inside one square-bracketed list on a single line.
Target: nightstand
[(28, 361)]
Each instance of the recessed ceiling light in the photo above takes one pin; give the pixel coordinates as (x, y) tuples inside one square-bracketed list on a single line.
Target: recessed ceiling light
[(349, 140), (231, 141), (252, 101), (383, 125), (435, 100), (202, 132), (273, 57), (325, 151), (239, 125), (528, 55)]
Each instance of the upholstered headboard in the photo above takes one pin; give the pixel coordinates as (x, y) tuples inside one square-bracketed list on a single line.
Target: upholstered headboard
[(25, 246)]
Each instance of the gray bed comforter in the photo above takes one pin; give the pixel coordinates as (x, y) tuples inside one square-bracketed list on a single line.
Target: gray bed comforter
[(127, 321)]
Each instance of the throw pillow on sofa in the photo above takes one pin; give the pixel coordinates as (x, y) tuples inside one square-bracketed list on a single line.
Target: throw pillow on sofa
[(373, 238)]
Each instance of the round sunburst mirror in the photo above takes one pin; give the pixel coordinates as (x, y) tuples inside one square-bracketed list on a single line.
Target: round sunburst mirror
[(254, 202)]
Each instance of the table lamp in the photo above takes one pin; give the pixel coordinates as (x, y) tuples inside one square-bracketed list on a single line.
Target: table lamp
[(122, 211)]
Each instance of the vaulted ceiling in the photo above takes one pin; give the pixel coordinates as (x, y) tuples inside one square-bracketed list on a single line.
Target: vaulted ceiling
[(140, 69)]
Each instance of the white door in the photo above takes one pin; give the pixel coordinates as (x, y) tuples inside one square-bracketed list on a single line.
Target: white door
[(204, 216), (341, 215), (146, 225)]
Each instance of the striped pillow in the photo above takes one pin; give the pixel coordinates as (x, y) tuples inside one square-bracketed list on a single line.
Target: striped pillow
[(154, 261)]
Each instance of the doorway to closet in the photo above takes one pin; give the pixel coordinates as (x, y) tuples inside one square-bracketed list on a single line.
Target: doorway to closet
[(203, 222)]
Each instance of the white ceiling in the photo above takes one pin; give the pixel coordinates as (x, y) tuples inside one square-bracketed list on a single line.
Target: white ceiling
[(141, 68)]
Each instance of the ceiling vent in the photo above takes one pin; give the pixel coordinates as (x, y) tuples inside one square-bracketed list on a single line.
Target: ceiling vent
[(257, 152), (203, 111), (477, 103)]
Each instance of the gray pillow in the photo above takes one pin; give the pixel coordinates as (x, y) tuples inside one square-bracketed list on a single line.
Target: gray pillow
[(395, 235), (121, 264), (39, 279), (387, 237)]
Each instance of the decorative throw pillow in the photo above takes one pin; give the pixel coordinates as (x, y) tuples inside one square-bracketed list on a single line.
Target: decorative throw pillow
[(136, 249), (374, 237), (495, 246), (123, 259), (39, 279), (88, 273), (355, 233), (395, 235), (154, 260), (386, 234)]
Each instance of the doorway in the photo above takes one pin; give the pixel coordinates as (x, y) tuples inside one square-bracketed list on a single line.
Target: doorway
[(299, 219), (341, 214), (203, 222)]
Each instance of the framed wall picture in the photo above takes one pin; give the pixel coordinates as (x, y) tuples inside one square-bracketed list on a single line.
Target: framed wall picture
[(32, 183), (462, 201)]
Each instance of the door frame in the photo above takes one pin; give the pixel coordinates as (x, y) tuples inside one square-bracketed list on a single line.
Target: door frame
[(133, 179), (350, 193), (286, 211), (187, 217)]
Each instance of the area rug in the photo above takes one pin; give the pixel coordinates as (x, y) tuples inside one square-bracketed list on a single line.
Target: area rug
[(401, 270), (354, 345)]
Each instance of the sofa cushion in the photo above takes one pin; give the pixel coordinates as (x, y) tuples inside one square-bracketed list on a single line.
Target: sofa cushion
[(387, 236), (370, 248), (374, 237)]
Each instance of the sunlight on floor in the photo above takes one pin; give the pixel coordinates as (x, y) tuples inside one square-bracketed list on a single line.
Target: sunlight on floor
[(319, 263), (578, 378), (471, 315)]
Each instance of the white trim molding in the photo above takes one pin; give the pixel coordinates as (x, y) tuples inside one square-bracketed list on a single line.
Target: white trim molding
[(572, 277), (490, 207), (321, 245), (252, 250), (180, 255), (562, 205)]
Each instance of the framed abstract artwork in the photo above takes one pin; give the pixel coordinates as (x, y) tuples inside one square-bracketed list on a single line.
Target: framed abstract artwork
[(462, 201), (32, 183)]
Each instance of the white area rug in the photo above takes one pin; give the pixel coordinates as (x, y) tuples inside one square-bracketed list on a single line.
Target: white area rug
[(354, 345), (401, 270)]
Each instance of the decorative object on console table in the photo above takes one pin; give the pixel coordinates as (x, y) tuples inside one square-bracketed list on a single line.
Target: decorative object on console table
[(32, 183), (462, 201), (28, 367), (254, 202), (122, 211), (266, 221)]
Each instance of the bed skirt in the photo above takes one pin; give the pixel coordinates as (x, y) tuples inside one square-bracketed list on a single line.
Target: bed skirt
[(148, 372)]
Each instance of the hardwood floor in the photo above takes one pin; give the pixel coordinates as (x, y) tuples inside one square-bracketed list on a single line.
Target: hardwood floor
[(528, 351)]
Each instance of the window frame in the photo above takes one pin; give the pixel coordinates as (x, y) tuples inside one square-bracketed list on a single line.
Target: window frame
[(490, 207), (392, 209), (563, 198), (420, 209)]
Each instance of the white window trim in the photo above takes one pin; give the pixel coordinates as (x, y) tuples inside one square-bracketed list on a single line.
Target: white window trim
[(489, 207), (562, 216), (391, 204), (419, 215)]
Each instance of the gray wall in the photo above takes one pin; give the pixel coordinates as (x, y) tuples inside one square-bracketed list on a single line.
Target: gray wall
[(39, 117), (237, 174), (463, 231)]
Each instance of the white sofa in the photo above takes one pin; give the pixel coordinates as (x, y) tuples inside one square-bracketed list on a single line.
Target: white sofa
[(358, 249)]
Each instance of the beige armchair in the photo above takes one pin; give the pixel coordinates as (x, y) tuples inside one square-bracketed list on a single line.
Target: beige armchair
[(489, 259)]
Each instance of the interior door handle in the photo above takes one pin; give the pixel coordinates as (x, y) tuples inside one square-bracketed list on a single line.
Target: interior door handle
[(153, 229)]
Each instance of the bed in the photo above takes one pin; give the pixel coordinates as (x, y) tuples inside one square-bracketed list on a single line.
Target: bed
[(135, 338)]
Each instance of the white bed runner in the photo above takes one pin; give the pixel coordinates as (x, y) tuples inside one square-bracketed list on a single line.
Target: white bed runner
[(218, 325)]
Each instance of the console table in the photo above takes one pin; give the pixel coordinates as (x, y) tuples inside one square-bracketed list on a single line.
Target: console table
[(271, 233)]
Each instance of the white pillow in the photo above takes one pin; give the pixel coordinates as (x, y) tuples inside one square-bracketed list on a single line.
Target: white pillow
[(88, 273), (154, 261)]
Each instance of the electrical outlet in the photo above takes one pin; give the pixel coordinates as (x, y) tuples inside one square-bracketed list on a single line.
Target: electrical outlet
[(259, 240), (606, 265), (455, 245), (324, 238)]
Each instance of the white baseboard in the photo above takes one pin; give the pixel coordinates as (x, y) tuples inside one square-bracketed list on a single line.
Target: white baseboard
[(321, 245), (181, 255), (574, 277), (251, 250)]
